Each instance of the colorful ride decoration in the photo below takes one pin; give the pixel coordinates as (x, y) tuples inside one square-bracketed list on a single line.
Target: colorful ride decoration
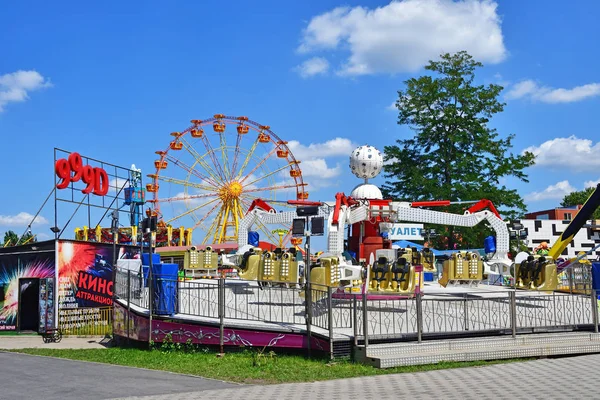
[(211, 172), (165, 235)]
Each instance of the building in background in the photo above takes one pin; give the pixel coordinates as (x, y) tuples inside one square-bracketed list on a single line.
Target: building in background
[(561, 214)]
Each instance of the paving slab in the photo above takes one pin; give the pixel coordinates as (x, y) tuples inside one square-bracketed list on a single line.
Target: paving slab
[(563, 378)]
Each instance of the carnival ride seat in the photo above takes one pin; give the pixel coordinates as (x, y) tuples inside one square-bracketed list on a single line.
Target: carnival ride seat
[(252, 265), (244, 261), (288, 269), (380, 269), (269, 267), (537, 273), (462, 268), (416, 256), (209, 259), (427, 259), (402, 267)]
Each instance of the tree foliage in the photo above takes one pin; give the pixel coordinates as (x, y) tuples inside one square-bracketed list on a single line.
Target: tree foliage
[(454, 154), (580, 197), (10, 238)]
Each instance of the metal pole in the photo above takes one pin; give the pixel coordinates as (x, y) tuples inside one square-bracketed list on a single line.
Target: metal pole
[(150, 288), (221, 301), (594, 309), (466, 312), (308, 294), (330, 322), (355, 320), (513, 312), (128, 301), (365, 319), (419, 317), (115, 225)]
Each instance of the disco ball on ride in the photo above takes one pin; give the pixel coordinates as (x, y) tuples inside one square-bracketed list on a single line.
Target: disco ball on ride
[(366, 162)]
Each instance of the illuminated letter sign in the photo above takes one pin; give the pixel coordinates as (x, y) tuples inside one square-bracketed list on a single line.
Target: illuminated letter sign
[(72, 170)]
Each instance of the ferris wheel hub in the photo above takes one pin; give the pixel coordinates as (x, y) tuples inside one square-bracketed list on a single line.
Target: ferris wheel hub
[(231, 191)]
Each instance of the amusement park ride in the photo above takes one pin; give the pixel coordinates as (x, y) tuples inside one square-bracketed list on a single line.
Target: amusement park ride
[(229, 192)]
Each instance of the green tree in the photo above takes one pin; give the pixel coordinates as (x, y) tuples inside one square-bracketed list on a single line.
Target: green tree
[(10, 238), (580, 197), (454, 154)]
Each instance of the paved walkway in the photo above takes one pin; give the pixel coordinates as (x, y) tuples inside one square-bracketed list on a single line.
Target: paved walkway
[(565, 378), (35, 341), (31, 377)]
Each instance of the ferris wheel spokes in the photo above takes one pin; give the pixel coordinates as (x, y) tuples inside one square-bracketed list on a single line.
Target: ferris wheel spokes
[(261, 162), (248, 158), (211, 154), (276, 187), (182, 182), (200, 160), (192, 171), (267, 175), (192, 210), (236, 154)]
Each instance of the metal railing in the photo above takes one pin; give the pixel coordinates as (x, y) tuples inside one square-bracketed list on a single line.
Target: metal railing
[(413, 317), (89, 321)]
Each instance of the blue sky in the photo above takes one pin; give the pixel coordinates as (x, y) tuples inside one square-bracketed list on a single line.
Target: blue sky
[(111, 80)]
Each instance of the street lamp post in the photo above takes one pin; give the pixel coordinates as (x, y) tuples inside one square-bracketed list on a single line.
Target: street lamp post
[(307, 226)]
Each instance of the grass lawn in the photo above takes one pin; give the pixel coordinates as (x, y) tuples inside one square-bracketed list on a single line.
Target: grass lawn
[(242, 367)]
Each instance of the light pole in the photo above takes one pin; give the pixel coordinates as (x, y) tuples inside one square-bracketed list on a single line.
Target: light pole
[(517, 231), (307, 226)]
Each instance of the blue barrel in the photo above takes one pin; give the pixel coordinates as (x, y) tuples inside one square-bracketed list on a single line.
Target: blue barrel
[(489, 244), (164, 282), (253, 238), (146, 258), (596, 277)]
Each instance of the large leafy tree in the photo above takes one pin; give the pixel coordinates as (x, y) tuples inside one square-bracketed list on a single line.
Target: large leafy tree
[(454, 154), (580, 197), (10, 238)]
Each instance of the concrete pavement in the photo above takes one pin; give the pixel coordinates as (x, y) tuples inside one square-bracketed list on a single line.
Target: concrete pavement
[(35, 341), (32, 377), (564, 378)]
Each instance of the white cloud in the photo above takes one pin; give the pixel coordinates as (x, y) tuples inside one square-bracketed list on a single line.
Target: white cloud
[(392, 107), (572, 152), (15, 86), (318, 168), (529, 89), (588, 184), (334, 147), (403, 35), (21, 219), (558, 191), (312, 67)]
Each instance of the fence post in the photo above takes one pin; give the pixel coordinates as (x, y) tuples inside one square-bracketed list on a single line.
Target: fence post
[(466, 312), (513, 312), (594, 309), (365, 319), (221, 307), (128, 301), (355, 320), (330, 321), (419, 302)]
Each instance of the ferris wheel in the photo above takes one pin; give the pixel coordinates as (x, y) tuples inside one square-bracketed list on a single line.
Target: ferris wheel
[(211, 172)]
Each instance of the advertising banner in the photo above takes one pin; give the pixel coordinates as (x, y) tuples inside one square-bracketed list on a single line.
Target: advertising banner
[(12, 268)]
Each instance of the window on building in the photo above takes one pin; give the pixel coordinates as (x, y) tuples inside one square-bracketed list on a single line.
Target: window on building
[(542, 216), (567, 217)]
